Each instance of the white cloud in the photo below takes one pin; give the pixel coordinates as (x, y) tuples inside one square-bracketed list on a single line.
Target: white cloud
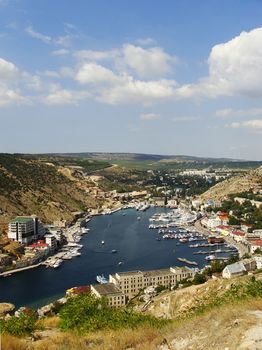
[(255, 125), (93, 56), (62, 97), (185, 119), (60, 52), (149, 116), (138, 91), (92, 73), (11, 97), (234, 69), (229, 112), (65, 41), (149, 62), (44, 38), (8, 71), (146, 41)]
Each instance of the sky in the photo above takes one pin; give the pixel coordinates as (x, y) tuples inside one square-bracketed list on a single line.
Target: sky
[(145, 76)]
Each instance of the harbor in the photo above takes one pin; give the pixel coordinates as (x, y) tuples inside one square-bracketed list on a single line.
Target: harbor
[(128, 244)]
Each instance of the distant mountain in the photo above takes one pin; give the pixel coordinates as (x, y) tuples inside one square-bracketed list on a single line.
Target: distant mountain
[(144, 157)]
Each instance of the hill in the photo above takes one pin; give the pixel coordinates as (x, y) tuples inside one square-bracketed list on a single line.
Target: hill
[(43, 187), (155, 161), (237, 184)]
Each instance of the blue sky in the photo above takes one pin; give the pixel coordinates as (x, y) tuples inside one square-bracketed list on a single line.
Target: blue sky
[(148, 76)]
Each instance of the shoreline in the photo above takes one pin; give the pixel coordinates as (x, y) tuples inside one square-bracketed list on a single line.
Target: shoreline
[(241, 248), (7, 273)]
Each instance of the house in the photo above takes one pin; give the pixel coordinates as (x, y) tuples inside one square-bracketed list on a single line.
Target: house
[(254, 245), (224, 230), (110, 291), (238, 236), (233, 270)]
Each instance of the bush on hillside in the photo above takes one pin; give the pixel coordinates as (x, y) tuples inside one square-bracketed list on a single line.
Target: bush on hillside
[(87, 313)]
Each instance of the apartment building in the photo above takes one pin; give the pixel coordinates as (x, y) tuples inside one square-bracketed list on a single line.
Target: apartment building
[(110, 291), (131, 282), (25, 229)]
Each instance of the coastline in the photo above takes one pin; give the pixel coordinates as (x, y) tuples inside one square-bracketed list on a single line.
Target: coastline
[(10, 272), (241, 248)]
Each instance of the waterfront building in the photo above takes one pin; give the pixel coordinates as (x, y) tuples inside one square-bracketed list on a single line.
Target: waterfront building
[(131, 282), (51, 241), (25, 229), (115, 296)]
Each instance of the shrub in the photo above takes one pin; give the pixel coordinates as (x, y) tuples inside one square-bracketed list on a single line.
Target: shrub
[(18, 326), (87, 313)]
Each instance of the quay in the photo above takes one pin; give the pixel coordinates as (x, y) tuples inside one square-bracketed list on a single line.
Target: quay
[(10, 272), (242, 249)]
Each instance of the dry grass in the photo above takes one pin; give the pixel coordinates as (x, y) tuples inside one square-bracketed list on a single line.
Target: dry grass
[(217, 329), (144, 338), (12, 343), (48, 322)]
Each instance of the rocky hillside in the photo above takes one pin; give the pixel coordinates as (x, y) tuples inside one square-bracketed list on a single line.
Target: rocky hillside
[(30, 186), (236, 184)]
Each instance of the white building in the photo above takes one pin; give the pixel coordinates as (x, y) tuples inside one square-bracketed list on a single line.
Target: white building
[(51, 241), (131, 282), (233, 270), (25, 229), (108, 290)]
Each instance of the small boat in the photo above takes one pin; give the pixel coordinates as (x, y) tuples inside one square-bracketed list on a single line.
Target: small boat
[(113, 251), (189, 262), (102, 242), (158, 239), (138, 218), (101, 279), (120, 263)]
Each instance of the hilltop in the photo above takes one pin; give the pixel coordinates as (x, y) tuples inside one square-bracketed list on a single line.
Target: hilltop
[(236, 184)]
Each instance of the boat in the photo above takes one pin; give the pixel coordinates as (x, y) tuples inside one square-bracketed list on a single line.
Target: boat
[(189, 262), (120, 263), (113, 251), (101, 279), (210, 257), (102, 242), (138, 218)]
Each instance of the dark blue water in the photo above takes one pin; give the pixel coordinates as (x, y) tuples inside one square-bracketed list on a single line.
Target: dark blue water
[(136, 247)]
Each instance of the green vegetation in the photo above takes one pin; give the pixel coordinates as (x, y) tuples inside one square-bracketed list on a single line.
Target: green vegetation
[(20, 326), (243, 213), (18, 174), (87, 313), (89, 165)]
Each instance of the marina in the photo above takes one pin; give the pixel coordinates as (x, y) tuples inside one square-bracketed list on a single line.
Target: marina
[(137, 247)]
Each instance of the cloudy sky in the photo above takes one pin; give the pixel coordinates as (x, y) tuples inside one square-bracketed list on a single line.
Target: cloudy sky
[(148, 76)]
